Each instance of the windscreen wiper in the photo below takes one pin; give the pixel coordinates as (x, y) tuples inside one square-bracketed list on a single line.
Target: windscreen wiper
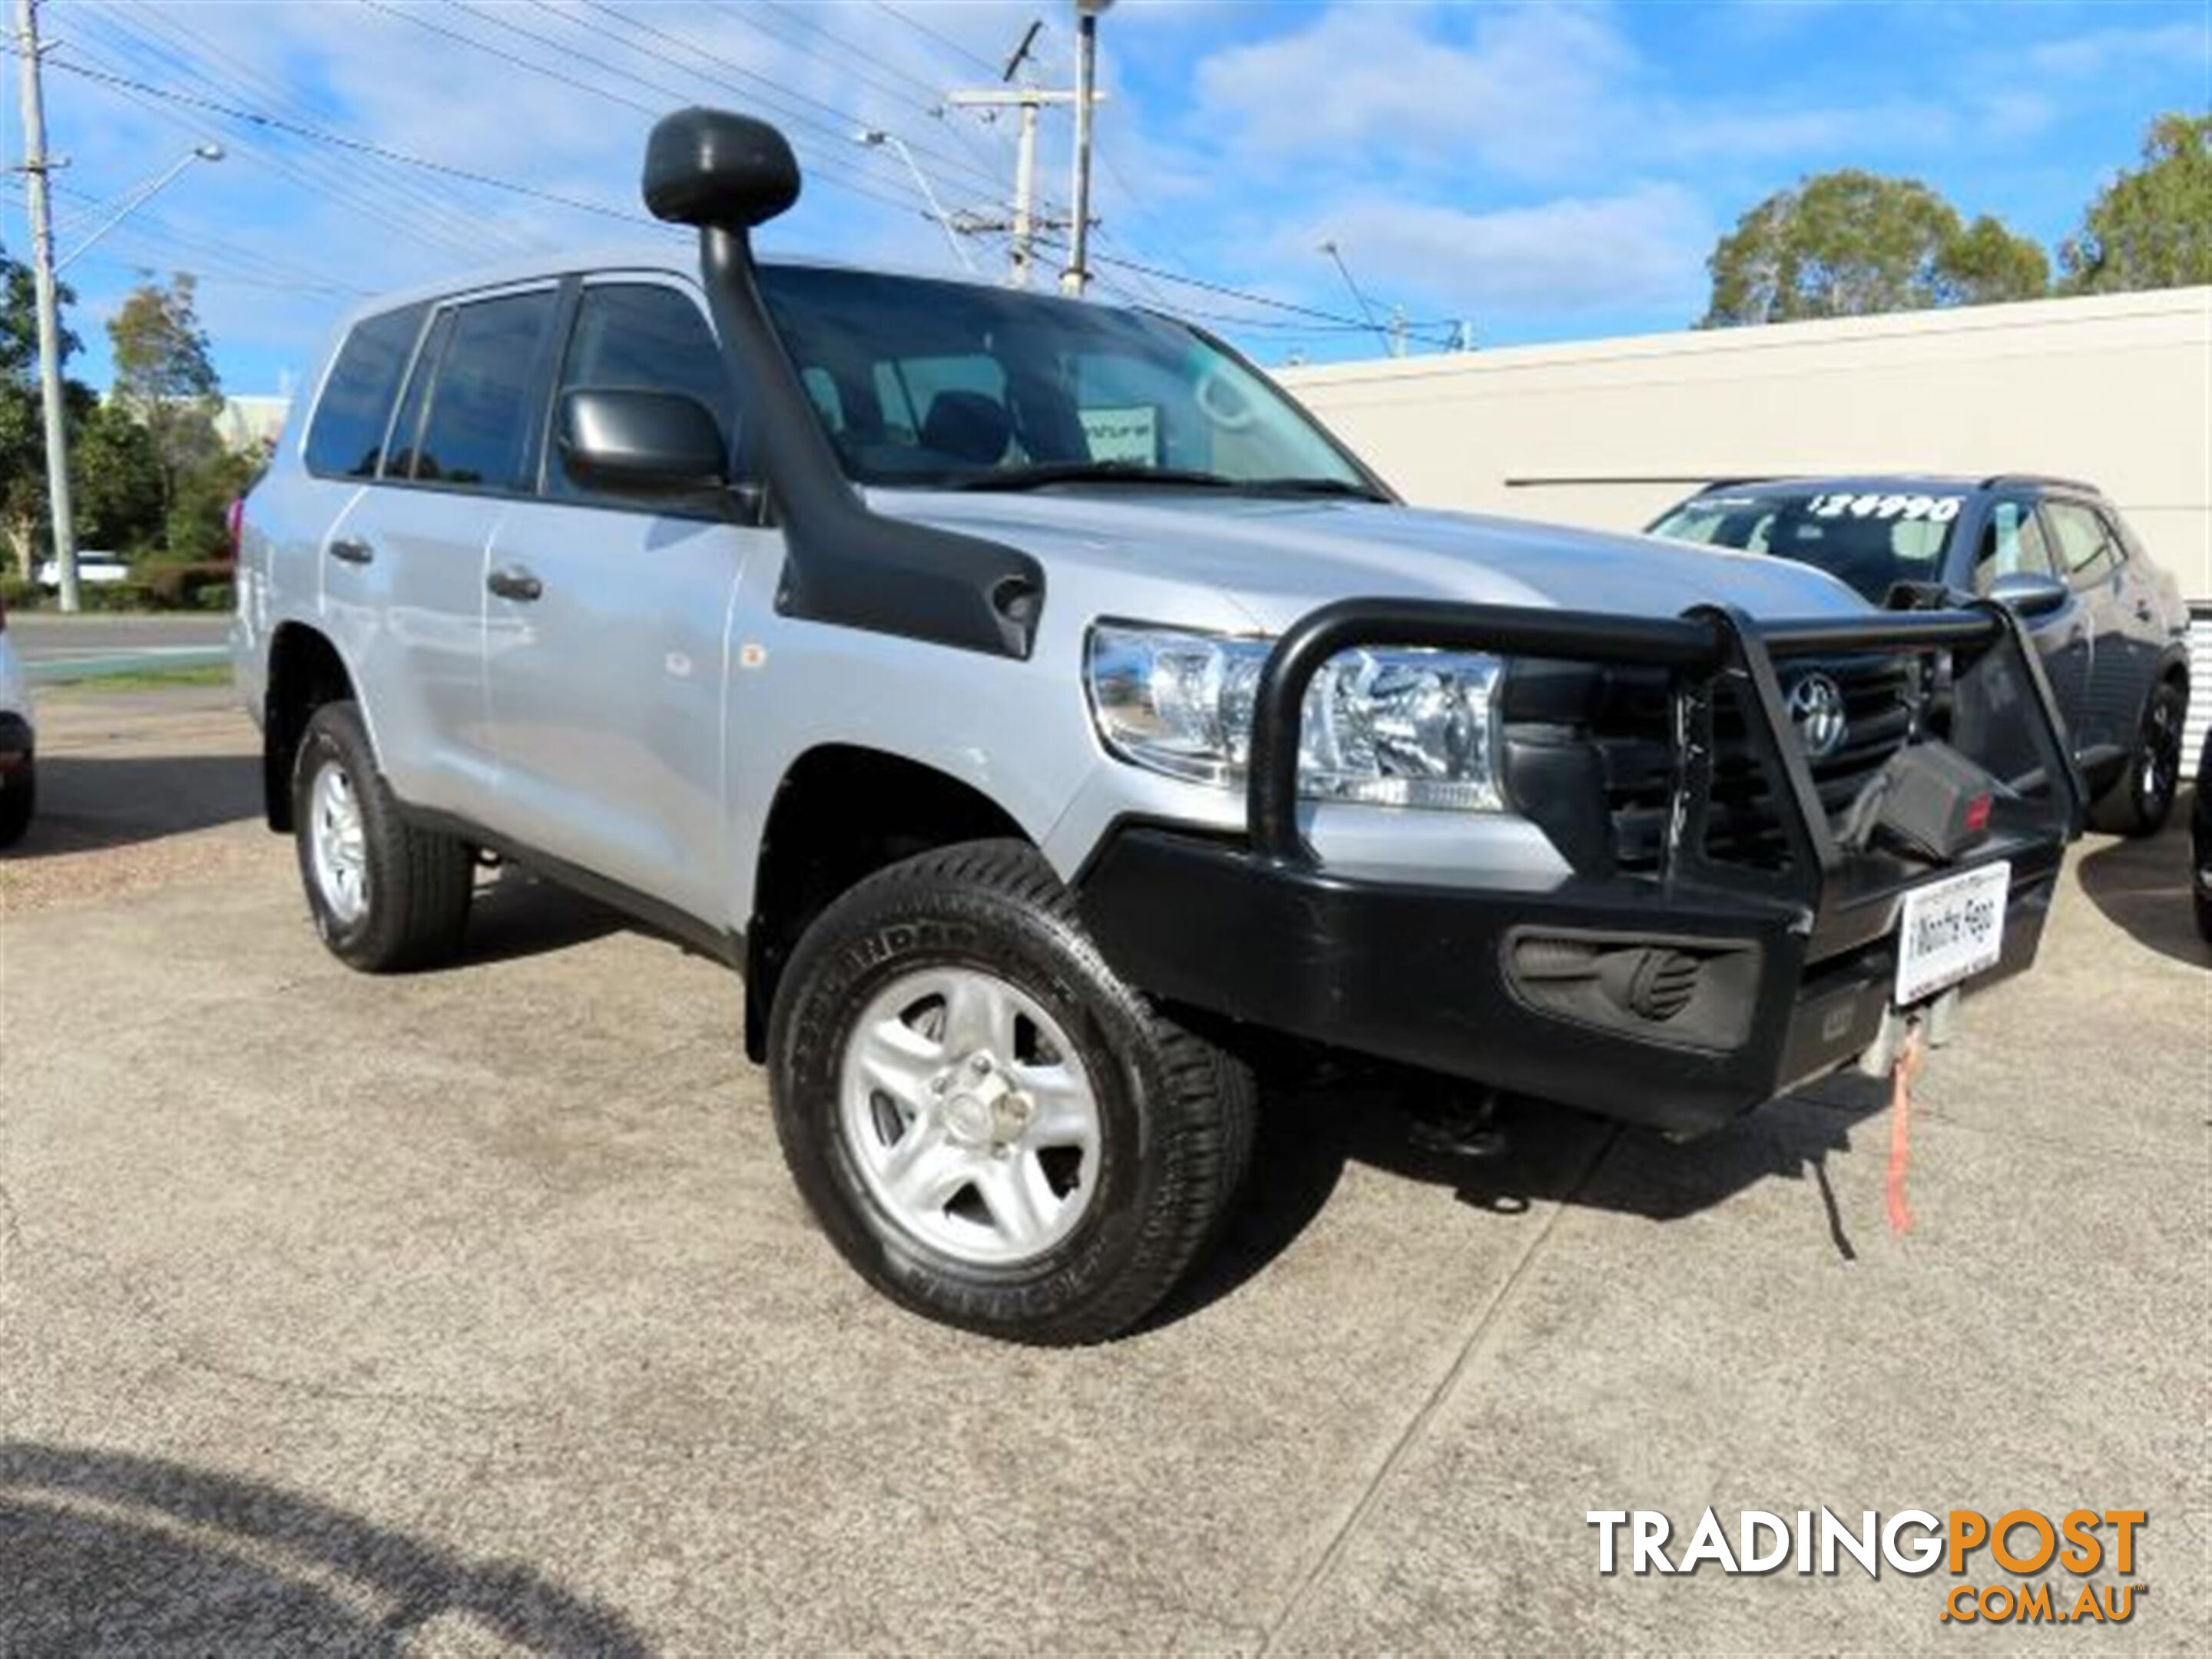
[(1037, 474), (1312, 487)]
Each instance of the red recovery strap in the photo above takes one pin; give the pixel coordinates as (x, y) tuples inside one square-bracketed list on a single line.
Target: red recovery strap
[(1902, 1076)]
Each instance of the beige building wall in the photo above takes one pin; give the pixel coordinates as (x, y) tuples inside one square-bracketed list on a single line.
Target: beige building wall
[(2115, 389)]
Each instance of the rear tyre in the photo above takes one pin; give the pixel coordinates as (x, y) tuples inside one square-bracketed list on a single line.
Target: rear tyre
[(19, 799), (2139, 803), (992, 1127), (384, 895)]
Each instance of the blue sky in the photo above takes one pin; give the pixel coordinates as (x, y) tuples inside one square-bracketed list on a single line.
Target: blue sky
[(1544, 172)]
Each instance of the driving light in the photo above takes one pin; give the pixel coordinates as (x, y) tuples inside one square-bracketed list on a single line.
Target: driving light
[(1394, 727)]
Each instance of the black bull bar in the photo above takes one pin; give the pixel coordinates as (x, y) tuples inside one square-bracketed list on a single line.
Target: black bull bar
[(1792, 960), (1990, 645)]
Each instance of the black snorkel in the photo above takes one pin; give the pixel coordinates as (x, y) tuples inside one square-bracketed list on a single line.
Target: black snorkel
[(727, 173)]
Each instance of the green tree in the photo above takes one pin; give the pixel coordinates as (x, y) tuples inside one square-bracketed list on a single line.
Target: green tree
[(165, 377), (115, 482), (2152, 226), (1852, 244)]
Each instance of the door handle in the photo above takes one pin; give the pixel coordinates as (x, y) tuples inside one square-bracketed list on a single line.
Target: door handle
[(512, 581), (352, 550)]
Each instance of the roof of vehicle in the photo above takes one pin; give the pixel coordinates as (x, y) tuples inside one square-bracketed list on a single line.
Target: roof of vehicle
[(678, 255), (1899, 483)]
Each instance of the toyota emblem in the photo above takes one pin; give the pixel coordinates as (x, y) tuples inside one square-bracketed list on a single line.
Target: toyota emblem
[(1816, 709)]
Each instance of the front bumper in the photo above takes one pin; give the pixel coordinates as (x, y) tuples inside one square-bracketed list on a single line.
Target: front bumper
[(1676, 999), (1438, 976)]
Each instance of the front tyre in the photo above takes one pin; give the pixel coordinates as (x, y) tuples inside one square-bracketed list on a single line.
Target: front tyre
[(384, 895), (990, 1126), (2139, 803), (19, 799)]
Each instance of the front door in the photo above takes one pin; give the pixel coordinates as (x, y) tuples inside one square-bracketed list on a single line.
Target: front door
[(607, 633), (2013, 542)]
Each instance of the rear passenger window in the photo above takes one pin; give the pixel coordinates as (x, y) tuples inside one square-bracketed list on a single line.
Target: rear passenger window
[(476, 429), (407, 429), (346, 438), (2085, 546), (646, 337)]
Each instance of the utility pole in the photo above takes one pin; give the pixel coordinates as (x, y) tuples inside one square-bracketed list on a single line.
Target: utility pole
[(1025, 221), (36, 166), (1072, 280)]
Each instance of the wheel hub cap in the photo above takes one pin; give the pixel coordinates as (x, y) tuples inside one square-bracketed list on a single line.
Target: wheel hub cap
[(968, 1117), (336, 843)]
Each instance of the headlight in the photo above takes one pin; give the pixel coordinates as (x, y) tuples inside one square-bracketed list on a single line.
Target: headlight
[(1400, 728)]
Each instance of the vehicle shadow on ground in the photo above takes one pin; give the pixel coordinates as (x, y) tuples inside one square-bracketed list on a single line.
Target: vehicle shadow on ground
[(2143, 889), (114, 1554), (515, 914), (90, 802), (1550, 1155)]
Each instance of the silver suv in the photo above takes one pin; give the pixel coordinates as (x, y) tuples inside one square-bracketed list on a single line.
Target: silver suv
[(1040, 708)]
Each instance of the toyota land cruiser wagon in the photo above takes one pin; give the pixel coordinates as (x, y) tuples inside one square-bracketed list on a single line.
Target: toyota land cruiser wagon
[(1039, 707)]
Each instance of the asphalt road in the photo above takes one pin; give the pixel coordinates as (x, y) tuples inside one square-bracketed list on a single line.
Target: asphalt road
[(472, 1312), (54, 646)]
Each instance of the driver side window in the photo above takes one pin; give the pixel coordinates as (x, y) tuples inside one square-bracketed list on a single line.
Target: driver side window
[(647, 336), (2012, 544)]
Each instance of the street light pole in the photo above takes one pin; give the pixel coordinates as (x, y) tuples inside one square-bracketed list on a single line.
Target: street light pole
[(142, 195), (36, 165), (875, 136), (1077, 274)]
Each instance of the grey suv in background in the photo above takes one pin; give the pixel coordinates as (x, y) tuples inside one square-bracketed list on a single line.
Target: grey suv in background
[(2111, 625), (1040, 709)]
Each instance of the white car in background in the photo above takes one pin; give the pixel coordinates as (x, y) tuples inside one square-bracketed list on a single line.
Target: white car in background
[(93, 566), (18, 773)]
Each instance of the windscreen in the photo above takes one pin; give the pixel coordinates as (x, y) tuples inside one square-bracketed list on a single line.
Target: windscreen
[(927, 383), (1871, 540)]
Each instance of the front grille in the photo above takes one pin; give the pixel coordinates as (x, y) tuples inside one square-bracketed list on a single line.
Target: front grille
[(1631, 728)]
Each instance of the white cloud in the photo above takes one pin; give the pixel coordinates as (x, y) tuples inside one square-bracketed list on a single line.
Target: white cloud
[(1516, 98), (1643, 248), (2116, 51)]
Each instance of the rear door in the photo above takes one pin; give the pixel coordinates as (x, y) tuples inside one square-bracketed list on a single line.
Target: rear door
[(607, 652), (404, 568), (2014, 542)]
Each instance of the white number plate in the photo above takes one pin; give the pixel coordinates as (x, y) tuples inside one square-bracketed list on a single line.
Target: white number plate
[(1950, 930)]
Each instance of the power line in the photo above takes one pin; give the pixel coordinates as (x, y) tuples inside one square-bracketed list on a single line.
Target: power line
[(942, 40), (400, 201), (359, 146), (837, 129)]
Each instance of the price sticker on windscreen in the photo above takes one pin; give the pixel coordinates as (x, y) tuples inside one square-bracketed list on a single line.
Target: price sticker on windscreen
[(1128, 432)]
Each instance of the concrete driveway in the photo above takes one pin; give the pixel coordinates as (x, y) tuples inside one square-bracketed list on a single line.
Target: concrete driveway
[(471, 1312)]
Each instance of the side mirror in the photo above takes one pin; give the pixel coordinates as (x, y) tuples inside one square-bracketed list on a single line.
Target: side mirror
[(710, 168), (2031, 592), (638, 442)]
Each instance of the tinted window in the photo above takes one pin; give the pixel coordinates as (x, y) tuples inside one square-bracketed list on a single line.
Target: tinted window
[(1872, 540), (649, 337), (346, 439), (407, 430), (951, 385), (2012, 544), (2084, 545), (477, 428)]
